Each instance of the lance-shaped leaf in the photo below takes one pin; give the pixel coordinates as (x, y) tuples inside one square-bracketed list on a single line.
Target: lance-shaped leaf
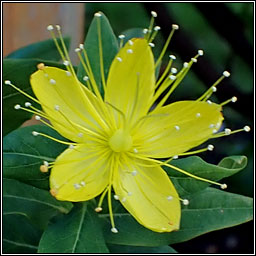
[(45, 50), (37, 204), (18, 71), (91, 45), (195, 165), (19, 234), (209, 210), (77, 232), (23, 154)]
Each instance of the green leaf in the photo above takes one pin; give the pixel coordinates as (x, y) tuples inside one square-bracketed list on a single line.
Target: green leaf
[(18, 71), (195, 165), (45, 50), (139, 249), (77, 232), (91, 45), (20, 236), (23, 154), (36, 204), (209, 210)]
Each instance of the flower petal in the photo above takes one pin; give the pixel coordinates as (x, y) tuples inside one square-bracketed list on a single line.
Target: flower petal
[(80, 173), (131, 79), (177, 127), (148, 194), (78, 108)]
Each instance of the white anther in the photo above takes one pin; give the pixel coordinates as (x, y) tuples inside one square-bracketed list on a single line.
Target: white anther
[(174, 70), (226, 74), (129, 193), (198, 114), (135, 150), (37, 117), (85, 78), (52, 81), (218, 125), (46, 163), (97, 14), (157, 28), (130, 42), (214, 89), (172, 77), (46, 75), (164, 228), (234, 99), (177, 127), (227, 131), (145, 31), (175, 26), (80, 135), (209, 102), (124, 199), (98, 209), (121, 36), (154, 14), (28, 104), (119, 59), (223, 186), (77, 186), (247, 128), (68, 73), (71, 146), (134, 173), (129, 51), (169, 198), (58, 27), (77, 50), (57, 107), (114, 230), (17, 106), (151, 45), (81, 46), (185, 64), (185, 201), (66, 62), (175, 157), (194, 60), (172, 57), (211, 125), (214, 131), (82, 183), (210, 147), (34, 133), (7, 82), (50, 27), (116, 197), (200, 52)]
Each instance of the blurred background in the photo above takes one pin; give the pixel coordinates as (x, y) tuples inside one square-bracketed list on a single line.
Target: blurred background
[(225, 31)]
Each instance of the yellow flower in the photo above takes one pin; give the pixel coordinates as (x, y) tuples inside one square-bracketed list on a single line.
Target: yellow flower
[(119, 139)]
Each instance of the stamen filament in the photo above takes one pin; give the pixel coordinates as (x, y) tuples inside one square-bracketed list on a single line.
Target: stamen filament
[(166, 45), (101, 54)]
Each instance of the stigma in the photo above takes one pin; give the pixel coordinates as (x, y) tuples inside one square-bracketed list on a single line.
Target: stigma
[(121, 141)]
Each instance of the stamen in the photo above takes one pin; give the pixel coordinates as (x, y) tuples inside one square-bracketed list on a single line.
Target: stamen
[(201, 52), (198, 114), (50, 28), (114, 230), (97, 14), (151, 45), (119, 59), (77, 186), (154, 14), (134, 173), (169, 198), (17, 106), (233, 99), (44, 168), (52, 81), (41, 66), (177, 127), (135, 150), (38, 118), (28, 104), (210, 147), (121, 37), (174, 70), (54, 192), (129, 51), (223, 186), (116, 197), (174, 27), (34, 133), (185, 201), (247, 128), (228, 131), (98, 209)]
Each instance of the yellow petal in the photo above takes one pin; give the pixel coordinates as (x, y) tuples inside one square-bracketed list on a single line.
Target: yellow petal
[(176, 128), (80, 173), (131, 79), (77, 107), (148, 194)]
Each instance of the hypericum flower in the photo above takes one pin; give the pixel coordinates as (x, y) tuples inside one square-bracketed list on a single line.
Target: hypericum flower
[(118, 140)]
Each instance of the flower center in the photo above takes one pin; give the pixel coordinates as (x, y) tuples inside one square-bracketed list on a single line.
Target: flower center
[(120, 141)]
